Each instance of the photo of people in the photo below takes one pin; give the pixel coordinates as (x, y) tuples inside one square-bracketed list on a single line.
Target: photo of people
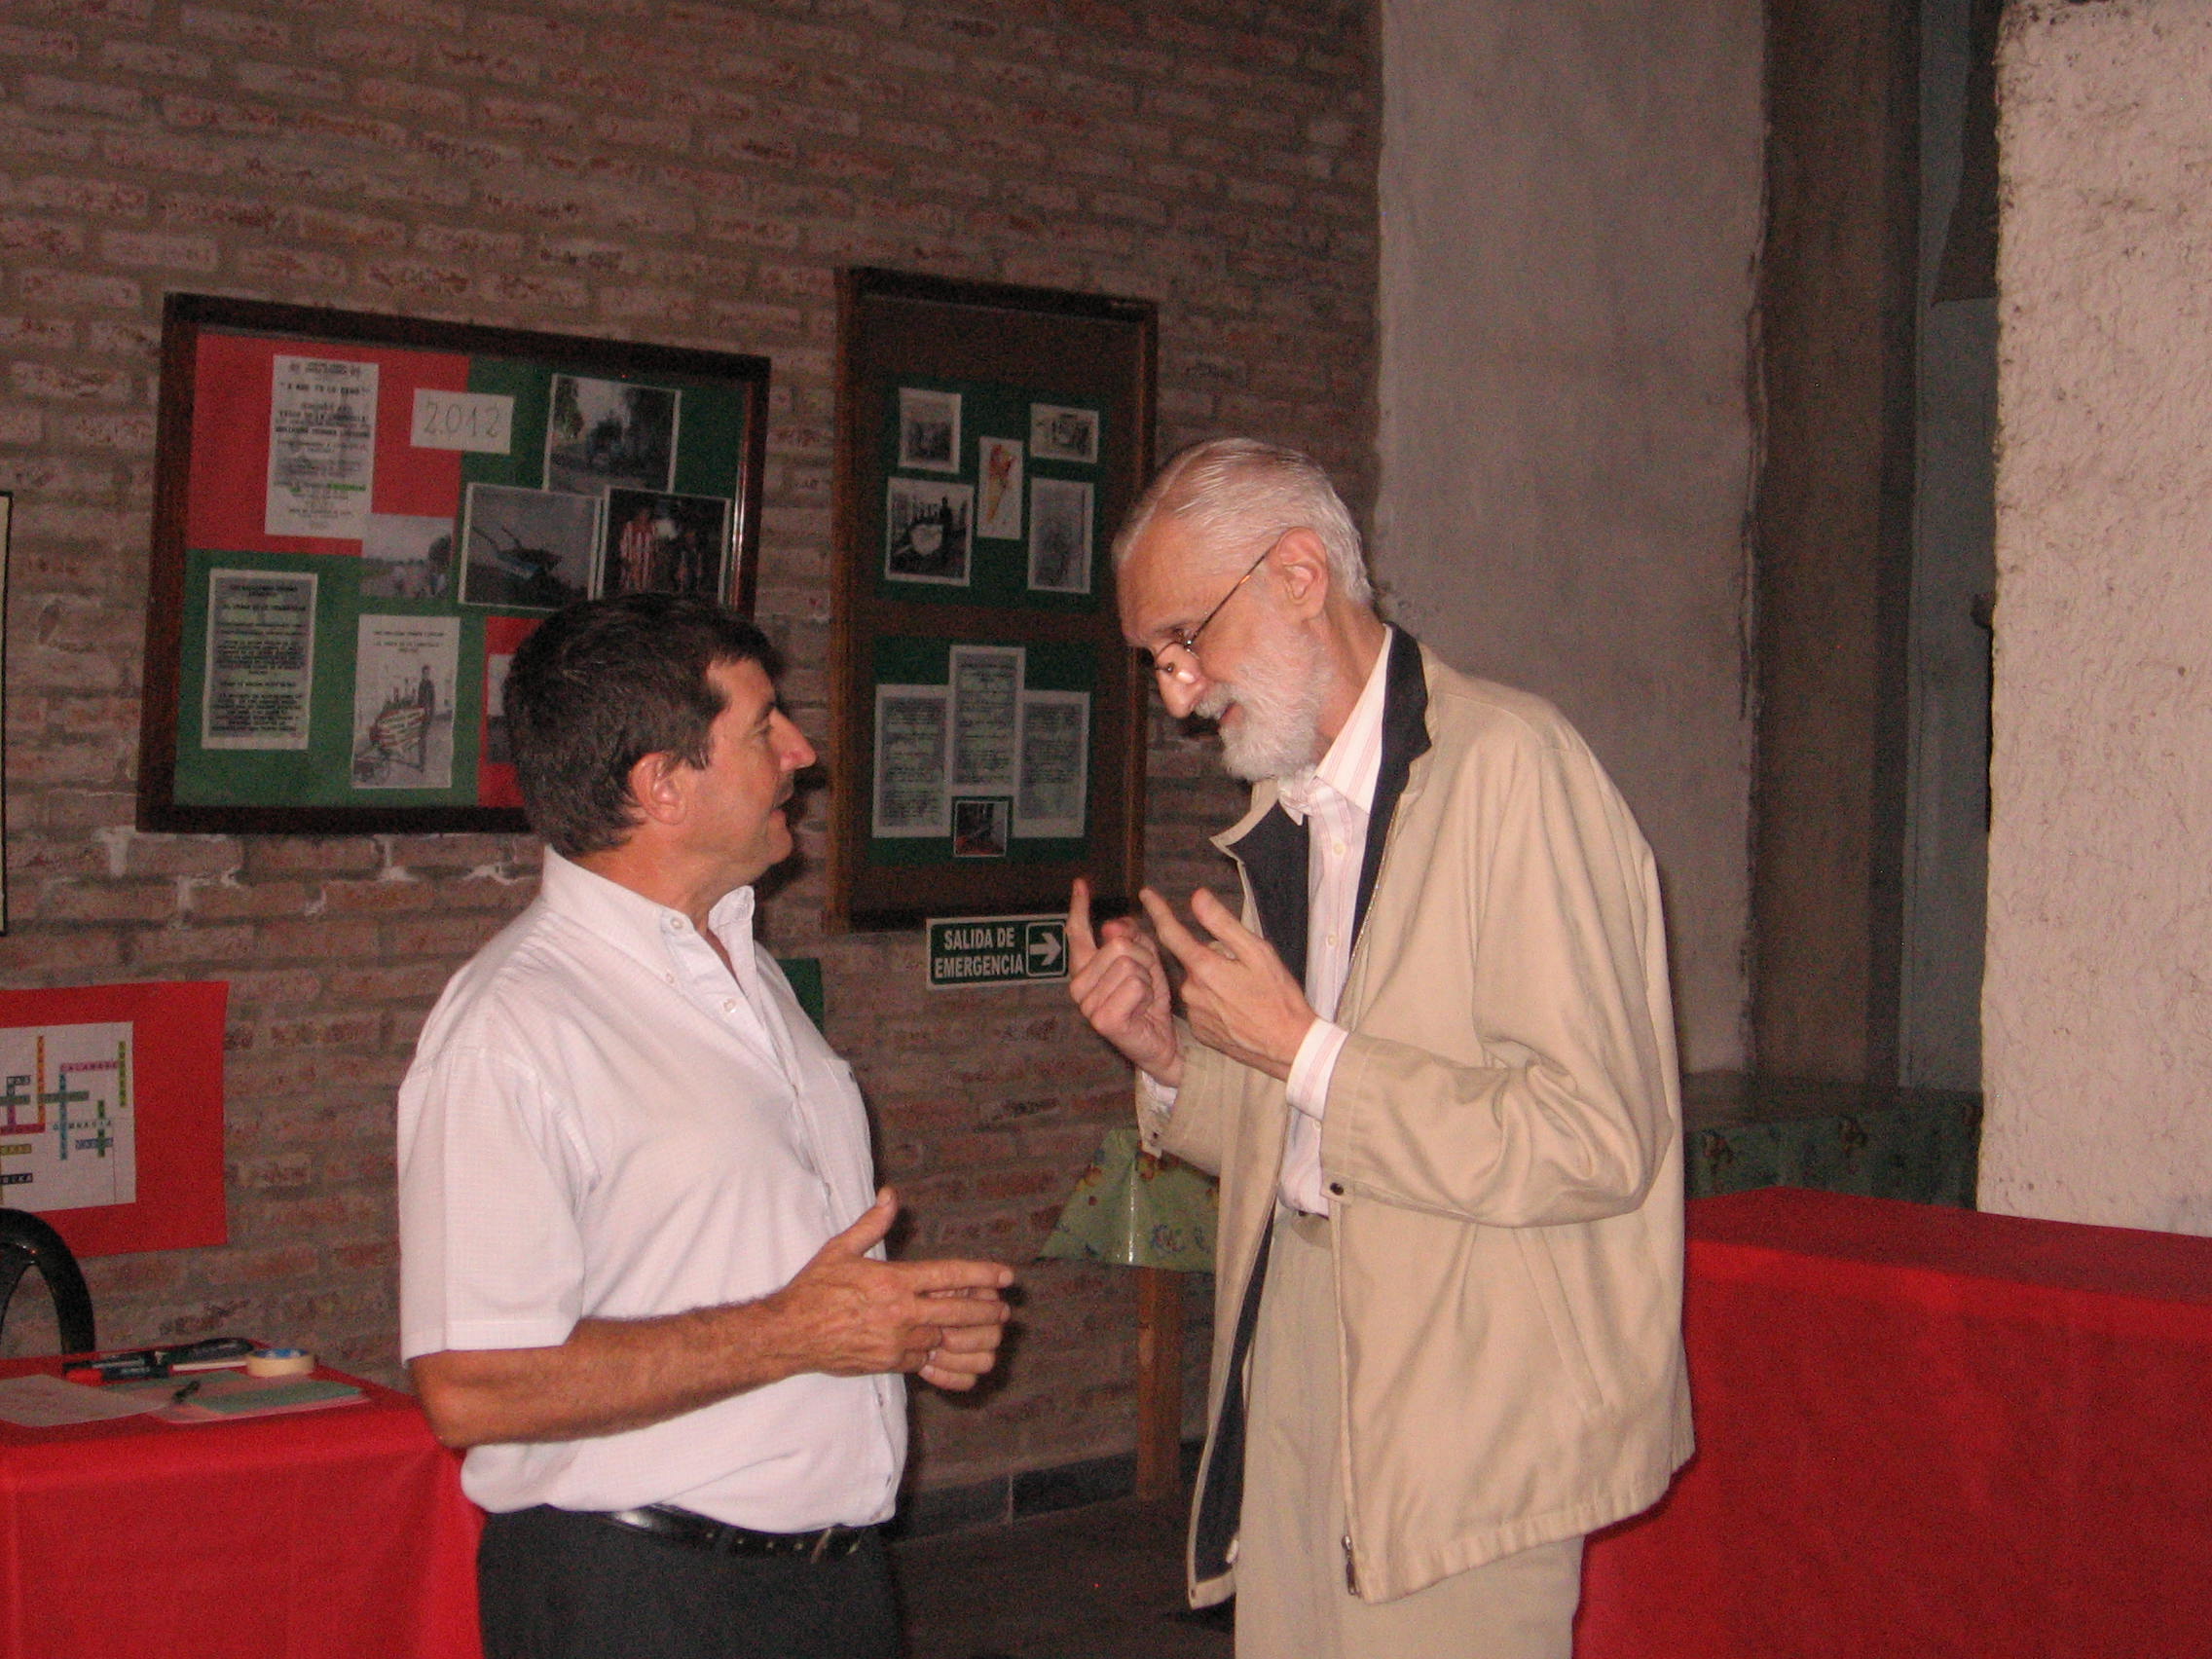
[(603, 434), (926, 531), (929, 429), (1058, 433), (527, 549), (406, 556), (654, 542)]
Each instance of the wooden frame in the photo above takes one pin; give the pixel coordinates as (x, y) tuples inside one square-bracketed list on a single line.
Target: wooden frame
[(989, 439), (7, 528), (357, 518)]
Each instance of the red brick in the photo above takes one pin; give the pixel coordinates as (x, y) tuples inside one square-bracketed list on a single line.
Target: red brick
[(149, 57), (79, 97), (290, 80), (53, 237), (234, 29), (37, 46), (137, 249)]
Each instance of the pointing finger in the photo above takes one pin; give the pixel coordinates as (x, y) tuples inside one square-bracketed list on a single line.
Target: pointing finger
[(1188, 949), (1220, 920), (1082, 944)]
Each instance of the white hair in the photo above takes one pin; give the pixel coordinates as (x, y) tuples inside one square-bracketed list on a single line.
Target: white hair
[(1242, 492)]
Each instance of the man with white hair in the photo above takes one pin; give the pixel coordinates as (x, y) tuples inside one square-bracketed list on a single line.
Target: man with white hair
[(1433, 1064)]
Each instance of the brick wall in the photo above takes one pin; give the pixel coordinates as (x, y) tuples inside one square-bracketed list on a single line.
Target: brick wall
[(688, 172)]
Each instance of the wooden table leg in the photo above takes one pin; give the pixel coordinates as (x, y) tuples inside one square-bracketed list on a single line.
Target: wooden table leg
[(1160, 1380)]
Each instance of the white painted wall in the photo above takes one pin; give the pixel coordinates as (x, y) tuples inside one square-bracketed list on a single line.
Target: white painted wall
[(1571, 214), (2098, 1006)]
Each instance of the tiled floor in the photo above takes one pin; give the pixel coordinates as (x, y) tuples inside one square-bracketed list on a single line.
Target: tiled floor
[(1101, 1582)]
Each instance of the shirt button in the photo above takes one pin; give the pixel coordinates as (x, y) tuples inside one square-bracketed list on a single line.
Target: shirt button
[(728, 1007), (669, 977), (1338, 848), (1332, 941)]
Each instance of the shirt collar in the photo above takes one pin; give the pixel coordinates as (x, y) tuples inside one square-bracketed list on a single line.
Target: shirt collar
[(627, 919), (1355, 759)]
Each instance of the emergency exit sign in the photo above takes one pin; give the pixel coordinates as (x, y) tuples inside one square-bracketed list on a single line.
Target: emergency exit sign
[(997, 950)]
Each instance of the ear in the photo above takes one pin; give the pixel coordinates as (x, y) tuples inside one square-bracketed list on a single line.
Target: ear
[(660, 785), (1300, 563)]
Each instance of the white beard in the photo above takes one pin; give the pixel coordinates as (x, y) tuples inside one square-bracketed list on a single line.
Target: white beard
[(1281, 728)]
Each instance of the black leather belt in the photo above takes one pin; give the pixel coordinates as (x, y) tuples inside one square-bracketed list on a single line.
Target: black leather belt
[(719, 1537)]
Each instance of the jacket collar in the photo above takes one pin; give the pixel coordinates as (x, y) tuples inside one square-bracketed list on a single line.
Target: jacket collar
[(1273, 849)]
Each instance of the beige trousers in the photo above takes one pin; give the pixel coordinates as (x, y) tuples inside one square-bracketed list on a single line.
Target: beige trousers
[(1291, 1599)]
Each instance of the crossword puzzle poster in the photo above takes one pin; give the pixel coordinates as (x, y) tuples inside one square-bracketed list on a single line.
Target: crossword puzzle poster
[(111, 1113)]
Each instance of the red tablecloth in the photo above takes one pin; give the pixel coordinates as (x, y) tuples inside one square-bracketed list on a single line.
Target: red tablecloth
[(329, 1534), (1927, 1432)]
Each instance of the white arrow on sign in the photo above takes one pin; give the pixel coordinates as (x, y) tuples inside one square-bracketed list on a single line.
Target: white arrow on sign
[(1045, 947)]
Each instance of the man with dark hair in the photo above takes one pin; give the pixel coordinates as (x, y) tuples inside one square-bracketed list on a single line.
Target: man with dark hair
[(642, 1278), (1433, 1063)]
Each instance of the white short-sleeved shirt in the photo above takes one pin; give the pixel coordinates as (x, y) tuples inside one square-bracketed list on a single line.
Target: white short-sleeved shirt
[(602, 1122)]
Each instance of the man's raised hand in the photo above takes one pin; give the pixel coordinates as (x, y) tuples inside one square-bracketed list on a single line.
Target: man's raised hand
[(1240, 999), (1118, 979), (849, 1314)]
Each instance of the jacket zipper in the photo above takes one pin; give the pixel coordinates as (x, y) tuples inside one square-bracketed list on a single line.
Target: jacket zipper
[(1351, 1571)]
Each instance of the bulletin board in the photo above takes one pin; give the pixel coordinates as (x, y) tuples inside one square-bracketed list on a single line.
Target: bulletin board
[(989, 715), (358, 519)]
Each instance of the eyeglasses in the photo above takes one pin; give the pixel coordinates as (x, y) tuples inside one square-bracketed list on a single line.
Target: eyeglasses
[(1186, 640)]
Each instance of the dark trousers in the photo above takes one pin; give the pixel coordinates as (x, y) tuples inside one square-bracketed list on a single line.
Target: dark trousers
[(555, 1585)]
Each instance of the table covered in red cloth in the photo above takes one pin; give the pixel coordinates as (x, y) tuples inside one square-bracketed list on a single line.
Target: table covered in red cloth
[(338, 1533), (1926, 1432)]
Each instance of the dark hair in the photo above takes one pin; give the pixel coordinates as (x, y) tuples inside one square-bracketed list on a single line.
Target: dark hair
[(599, 687)]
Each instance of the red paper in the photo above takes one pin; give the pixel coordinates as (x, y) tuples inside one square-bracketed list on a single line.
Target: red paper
[(177, 1057), (495, 783), (230, 450)]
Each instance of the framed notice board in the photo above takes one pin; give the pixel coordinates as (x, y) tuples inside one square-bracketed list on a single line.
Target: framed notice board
[(356, 521), (989, 717)]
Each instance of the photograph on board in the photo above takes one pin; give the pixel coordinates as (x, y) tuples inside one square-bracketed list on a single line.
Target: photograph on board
[(929, 429), (998, 514), (1059, 433), (527, 549), (926, 531), (663, 543), (1059, 536), (605, 434), (406, 556), (980, 825)]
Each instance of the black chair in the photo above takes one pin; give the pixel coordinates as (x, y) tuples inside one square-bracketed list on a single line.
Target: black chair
[(26, 1241)]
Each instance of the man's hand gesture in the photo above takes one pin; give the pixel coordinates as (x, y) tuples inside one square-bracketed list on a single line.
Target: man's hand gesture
[(1116, 978), (851, 1316), (1240, 999)]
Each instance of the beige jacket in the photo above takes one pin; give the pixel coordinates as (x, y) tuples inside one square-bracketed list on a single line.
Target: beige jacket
[(1503, 1152)]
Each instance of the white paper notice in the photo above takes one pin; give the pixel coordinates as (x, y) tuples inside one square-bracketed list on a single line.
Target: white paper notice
[(1055, 763), (986, 693), (482, 423), (404, 670), (260, 660), (322, 446), (910, 744)]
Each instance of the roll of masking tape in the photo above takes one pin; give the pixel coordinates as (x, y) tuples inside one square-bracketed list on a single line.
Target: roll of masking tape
[(279, 1362)]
